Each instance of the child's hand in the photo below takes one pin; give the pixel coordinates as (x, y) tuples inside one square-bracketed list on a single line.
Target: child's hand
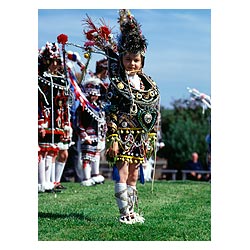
[(113, 151)]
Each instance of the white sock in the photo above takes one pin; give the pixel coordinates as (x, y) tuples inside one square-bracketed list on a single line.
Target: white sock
[(95, 165), (59, 166), (86, 170), (48, 164), (53, 172), (121, 196), (41, 172)]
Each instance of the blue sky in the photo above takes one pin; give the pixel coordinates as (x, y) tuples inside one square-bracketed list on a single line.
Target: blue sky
[(179, 43)]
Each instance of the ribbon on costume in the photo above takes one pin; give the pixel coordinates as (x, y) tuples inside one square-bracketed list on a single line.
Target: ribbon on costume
[(78, 92), (94, 110), (142, 180), (115, 174)]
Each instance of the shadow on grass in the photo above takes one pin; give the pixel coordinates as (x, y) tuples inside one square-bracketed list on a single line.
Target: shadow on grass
[(43, 215)]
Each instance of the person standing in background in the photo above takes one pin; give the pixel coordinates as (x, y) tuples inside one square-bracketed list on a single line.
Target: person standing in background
[(54, 129), (91, 127)]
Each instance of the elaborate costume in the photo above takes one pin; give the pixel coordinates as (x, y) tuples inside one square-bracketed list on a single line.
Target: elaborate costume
[(54, 127), (92, 131), (53, 105), (132, 114), (91, 124), (133, 108)]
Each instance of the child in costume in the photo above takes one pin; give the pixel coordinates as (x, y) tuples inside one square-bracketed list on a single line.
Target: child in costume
[(54, 130), (133, 111), (90, 124), (92, 131), (87, 169)]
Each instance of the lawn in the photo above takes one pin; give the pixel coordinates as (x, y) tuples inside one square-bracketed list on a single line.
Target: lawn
[(174, 211)]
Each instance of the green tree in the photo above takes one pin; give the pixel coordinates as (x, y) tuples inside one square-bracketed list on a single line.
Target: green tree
[(184, 129)]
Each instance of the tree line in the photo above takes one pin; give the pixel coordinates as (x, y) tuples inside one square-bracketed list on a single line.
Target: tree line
[(184, 130)]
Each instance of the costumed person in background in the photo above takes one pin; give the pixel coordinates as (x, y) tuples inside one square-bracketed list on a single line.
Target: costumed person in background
[(101, 72), (133, 111), (149, 165), (90, 118), (92, 131), (147, 169), (73, 167), (54, 130)]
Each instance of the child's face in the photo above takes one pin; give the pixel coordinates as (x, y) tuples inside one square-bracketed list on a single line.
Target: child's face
[(93, 98), (132, 62)]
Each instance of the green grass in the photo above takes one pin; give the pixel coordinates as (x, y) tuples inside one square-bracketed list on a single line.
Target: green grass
[(174, 211)]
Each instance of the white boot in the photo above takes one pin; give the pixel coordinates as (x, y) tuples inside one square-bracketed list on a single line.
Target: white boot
[(99, 179), (147, 169), (49, 185), (53, 172), (59, 167), (121, 196), (41, 188), (95, 166), (132, 202), (87, 181), (41, 175)]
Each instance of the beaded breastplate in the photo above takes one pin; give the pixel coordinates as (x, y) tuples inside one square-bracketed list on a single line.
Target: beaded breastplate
[(143, 104)]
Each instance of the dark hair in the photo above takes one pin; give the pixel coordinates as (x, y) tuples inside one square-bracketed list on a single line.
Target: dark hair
[(101, 65)]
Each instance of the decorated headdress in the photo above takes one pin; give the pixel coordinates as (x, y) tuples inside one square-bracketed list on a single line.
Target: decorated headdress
[(92, 86), (46, 55), (131, 38), (50, 51)]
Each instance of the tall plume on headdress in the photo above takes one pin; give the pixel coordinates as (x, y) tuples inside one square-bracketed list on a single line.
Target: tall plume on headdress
[(100, 35), (131, 38)]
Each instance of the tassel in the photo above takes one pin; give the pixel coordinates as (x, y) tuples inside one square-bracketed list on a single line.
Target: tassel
[(116, 176), (142, 181)]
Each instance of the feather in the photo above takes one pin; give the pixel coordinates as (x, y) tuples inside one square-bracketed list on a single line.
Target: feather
[(100, 35)]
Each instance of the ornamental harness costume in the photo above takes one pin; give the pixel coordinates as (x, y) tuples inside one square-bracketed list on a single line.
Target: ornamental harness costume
[(54, 129), (132, 114), (133, 110), (53, 103)]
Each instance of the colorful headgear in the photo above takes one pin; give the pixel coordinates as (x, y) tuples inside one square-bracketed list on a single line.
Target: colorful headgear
[(92, 86), (131, 38), (50, 51), (48, 54)]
